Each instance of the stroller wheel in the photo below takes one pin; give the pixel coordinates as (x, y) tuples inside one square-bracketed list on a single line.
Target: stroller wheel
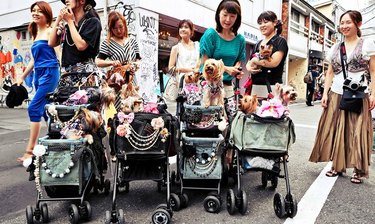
[(184, 200), (279, 205), (121, 217), (44, 211), (242, 202), (175, 202), (107, 186), (264, 179), (73, 214), (161, 216), (86, 210), (212, 204), (291, 204), (165, 207), (29, 214), (230, 202)]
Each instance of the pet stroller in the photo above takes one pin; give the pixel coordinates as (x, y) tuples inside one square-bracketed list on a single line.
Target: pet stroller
[(66, 168), (199, 162), (261, 144), (143, 142)]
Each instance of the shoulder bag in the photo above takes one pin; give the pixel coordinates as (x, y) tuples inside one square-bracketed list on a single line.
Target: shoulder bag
[(353, 92)]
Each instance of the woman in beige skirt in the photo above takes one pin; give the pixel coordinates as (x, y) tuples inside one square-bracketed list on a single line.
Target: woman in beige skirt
[(343, 137)]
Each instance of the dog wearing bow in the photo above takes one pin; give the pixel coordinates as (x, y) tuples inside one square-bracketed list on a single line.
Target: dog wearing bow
[(286, 94), (213, 92)]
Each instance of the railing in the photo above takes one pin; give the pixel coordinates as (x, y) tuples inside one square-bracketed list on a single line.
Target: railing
[(316, 37), (298, 28)]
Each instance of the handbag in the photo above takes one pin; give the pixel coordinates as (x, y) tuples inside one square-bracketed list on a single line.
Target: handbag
[(171, 89), (351, 99)]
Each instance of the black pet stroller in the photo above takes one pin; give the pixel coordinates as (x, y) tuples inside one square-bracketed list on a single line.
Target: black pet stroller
[(68, 169), (261, 144), (142, 154)]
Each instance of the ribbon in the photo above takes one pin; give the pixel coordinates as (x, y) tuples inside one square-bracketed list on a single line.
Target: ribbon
[(128, 117)]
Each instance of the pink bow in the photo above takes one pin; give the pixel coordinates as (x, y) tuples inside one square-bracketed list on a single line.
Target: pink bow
[(128, 117), (191, 88)]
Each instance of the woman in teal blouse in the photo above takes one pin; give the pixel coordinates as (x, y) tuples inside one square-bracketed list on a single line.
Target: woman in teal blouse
[(225, 43)]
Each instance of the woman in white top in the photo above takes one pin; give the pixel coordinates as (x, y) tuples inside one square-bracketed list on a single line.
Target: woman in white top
[(184, 55), (345, 137)]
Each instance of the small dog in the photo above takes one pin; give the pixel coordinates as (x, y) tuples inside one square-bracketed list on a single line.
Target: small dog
[(129, 89), (248, 104), (108, 96), (285, 93), (213, 93), (265, 52), (131, 104), (191, 88)]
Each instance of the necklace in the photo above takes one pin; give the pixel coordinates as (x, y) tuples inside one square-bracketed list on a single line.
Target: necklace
[(79, 30)]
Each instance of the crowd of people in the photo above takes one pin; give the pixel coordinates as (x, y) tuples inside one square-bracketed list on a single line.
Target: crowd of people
[(345, 138)]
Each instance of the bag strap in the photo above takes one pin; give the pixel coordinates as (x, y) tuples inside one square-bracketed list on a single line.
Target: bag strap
[(343, 57)]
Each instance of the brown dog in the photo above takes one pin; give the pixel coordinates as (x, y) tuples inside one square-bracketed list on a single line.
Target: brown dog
[(213, 93), (265, 52), (248, 104)]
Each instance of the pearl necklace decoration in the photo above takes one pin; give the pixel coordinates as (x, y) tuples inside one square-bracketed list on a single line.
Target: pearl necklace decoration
[(140, 142), (58, 175), (37, 177)]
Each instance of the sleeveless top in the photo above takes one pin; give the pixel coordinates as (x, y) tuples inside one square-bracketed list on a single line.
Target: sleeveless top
[(358, 63), (187, 58), (44, 55)]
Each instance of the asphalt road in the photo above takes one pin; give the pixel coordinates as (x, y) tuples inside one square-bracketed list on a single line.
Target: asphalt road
[(345, 202)]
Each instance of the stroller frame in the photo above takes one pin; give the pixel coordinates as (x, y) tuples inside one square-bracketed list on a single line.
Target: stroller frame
[(282, 206), (83, 210), (163, 213)]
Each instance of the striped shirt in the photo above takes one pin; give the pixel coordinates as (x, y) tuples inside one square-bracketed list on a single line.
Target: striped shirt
[(126, 53)]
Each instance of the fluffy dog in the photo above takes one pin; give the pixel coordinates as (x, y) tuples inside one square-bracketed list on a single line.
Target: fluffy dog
[(108, 96), (131, 104), (285, 93), (248, 104), (129, 89), (213, 93), (265, 52)]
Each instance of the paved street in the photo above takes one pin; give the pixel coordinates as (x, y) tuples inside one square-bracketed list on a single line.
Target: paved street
[(321, 199)]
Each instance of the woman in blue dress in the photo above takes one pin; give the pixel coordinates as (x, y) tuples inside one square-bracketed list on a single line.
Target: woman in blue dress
[(46, 70)]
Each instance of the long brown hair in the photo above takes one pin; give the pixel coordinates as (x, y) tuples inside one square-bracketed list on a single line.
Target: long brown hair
[(113, 17), (356, 17), (47, 12)]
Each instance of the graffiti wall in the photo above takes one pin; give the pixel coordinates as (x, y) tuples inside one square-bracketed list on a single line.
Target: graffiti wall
[(144, 25), (14, 57)]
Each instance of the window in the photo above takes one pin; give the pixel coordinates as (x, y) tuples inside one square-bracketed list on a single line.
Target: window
[(315, 27), (23, 35), (295, 18)]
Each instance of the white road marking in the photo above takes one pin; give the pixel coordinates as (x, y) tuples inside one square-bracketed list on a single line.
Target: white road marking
[(312, 202), (306, 126)]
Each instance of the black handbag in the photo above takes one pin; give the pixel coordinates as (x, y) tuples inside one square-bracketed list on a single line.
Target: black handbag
[(351, 99)]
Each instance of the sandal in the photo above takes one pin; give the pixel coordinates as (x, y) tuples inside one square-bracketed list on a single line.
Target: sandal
[(333, 173), (355, 179), (26, 155)]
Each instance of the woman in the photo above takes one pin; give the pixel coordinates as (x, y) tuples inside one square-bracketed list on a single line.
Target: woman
[(225, 43), (46, 70), (343, 137), (81, 40), (184, 57), (118, 49), (185, 54), (268, 71)]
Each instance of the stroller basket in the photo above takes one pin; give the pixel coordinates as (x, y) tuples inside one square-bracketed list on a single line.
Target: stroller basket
[(252, 133), (202, 157), (63, 163), (142, 138), (201, 121)]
